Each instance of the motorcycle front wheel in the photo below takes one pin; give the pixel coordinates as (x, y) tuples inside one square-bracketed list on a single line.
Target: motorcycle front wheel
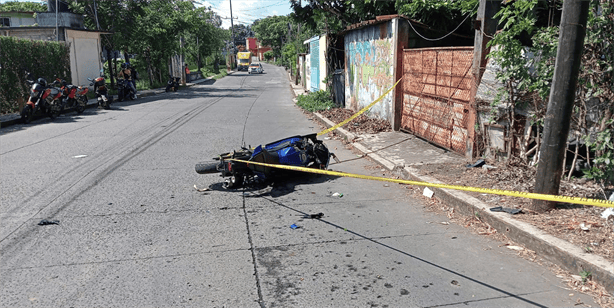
[(53, 113), (26, 114)]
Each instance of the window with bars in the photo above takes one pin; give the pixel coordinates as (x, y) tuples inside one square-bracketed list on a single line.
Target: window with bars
[(5, 22)]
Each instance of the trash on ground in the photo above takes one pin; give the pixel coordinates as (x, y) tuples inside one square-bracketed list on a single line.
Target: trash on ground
[(607, 213), (314, 216), (478, 163), (488, 167), (201, 189), (517, 248), (337, 195), (505, 209), (445, 223), (427, 192), (45, 222), (585, 227), (79, 156), (293, 226)]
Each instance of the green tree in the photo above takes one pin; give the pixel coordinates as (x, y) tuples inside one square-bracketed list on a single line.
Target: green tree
[(325, 16), (272, 31), (16, 6), (153, 29), (241, 33)]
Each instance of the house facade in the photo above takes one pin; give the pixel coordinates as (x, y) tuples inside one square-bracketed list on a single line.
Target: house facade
[(85, 45), (252, 44), (436, 87), (16, 19), (316, 62)]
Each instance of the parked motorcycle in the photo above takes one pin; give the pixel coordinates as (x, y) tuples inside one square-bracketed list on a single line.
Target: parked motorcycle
[(302, 151), (125, 89), (42, 97), (102, 92), (73, 96), (172, 84)]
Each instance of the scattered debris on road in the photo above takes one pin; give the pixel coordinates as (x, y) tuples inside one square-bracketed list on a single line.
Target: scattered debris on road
[(201, 189), (505, 209), (314, 216), (46, 222)]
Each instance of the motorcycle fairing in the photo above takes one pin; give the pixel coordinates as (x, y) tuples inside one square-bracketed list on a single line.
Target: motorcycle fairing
[(290, 151)]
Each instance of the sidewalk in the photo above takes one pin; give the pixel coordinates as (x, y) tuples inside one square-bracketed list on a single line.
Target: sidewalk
[(401, 153), (15, 118)]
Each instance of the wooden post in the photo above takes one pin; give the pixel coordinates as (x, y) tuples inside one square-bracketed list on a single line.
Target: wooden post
[(560, 104), (485, 28), (401, 42)]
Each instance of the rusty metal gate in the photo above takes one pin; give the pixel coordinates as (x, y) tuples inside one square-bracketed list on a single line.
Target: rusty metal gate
[(436, 95)]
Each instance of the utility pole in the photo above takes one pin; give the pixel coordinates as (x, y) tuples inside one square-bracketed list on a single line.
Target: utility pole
[(232, 30), (289, 40), (560, 104), (57, 32), (298, 38)]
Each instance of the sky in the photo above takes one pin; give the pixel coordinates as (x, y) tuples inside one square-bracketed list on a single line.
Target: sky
[(243, 11), (246, 11)]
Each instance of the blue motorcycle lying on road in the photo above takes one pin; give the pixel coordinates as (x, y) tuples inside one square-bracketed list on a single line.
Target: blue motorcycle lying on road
[(301, 151)]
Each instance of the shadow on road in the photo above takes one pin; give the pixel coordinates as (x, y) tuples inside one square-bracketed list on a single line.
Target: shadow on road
[(278, 187)]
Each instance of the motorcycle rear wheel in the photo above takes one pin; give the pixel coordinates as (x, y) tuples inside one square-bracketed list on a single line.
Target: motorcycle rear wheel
[(26, 114), (81, 105), (206, 167)]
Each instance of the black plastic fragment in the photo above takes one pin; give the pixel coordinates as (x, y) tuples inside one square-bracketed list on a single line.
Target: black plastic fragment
[(45, 222)]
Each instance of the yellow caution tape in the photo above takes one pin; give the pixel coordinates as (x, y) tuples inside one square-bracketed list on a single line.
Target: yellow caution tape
[(511, 193), (326, 131)]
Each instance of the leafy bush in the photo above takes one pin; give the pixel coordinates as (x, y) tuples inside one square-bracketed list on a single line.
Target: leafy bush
[(316, 101), (268, 55), (46, 59), (603, 164)]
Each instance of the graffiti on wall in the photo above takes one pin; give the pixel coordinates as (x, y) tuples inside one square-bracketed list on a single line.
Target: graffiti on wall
[(369, 67), (370, 61)]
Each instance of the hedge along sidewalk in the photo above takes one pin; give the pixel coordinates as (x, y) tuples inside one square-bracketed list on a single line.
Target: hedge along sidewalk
[(15, 63), (398, 158), (14, 118)]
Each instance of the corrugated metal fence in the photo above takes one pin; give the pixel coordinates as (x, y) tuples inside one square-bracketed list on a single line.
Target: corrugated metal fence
[(436, 95)]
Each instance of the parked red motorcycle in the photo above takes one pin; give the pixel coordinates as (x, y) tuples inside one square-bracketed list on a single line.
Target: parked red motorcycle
[(73, 96), (102, 92), (42, 97)]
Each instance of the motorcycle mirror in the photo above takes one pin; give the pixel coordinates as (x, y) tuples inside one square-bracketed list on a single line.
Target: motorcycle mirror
[(88, 78)]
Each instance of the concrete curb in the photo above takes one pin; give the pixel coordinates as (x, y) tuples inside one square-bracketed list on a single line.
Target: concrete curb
[(570, 257), (93, 104)]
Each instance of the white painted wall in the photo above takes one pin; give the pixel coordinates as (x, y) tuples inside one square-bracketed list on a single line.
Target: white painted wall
[(85, 60)]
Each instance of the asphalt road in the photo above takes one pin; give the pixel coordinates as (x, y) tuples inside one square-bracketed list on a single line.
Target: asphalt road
[(133, 231)]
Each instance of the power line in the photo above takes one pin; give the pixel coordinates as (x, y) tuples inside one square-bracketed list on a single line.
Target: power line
[(441, 38)]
